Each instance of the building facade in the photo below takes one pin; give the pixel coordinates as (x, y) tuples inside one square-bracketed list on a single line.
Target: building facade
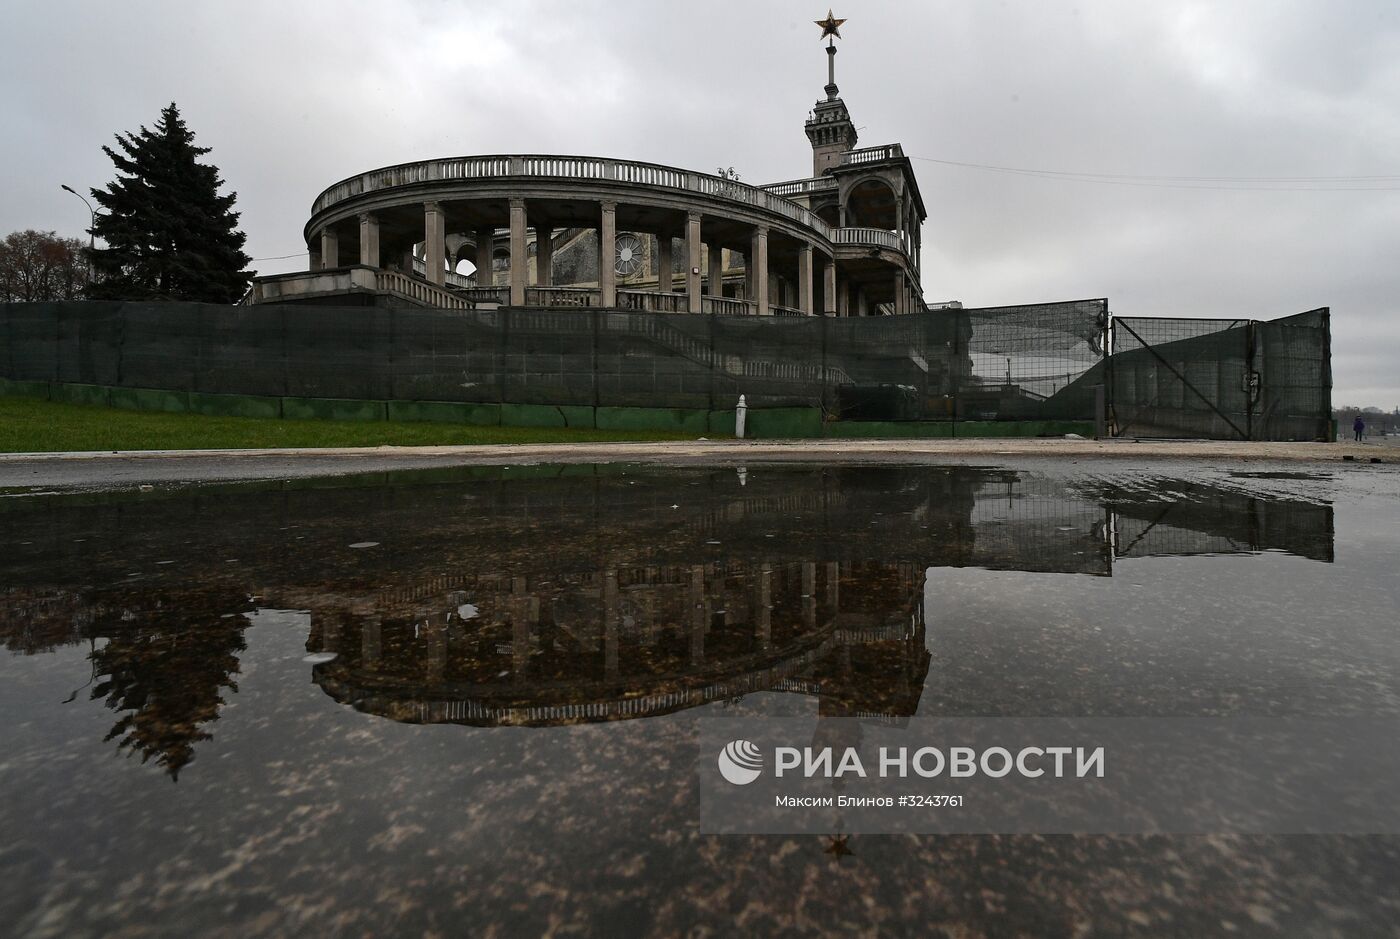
[(538, 230)]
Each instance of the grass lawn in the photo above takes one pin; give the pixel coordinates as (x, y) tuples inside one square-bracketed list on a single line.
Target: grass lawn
[(29, 425)]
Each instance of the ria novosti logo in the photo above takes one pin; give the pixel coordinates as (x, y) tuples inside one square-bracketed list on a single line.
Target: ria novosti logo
[(740, 762)]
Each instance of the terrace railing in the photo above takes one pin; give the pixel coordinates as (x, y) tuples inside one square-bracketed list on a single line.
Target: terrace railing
[(453, 278), (725, 306), (419, 291), (869, 236), (652, 302), (892, 151), (540, 166), (803, 187), (562, 296), (478, 295)]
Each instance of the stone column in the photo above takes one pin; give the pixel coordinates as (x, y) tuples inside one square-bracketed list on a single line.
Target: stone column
[(809, 594), (330, 248), (901, 297), (369, 240), (607, 255), (692, 261), (544, 255), (699, 614), (765, 606), (520, 627), (715, 287), (829, 287), (371, 641), (612, 619), (664, 264), (485, 257), (843, 297), (804, 279), (434, 244), (435, 635), (758, 269), (862, 308), (519, 266)]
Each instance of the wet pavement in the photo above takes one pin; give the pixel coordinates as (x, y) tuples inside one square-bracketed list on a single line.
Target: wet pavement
[(464, 700)]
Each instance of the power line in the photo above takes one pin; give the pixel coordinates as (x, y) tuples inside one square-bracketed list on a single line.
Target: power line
[(1257, 183), (280, 257)]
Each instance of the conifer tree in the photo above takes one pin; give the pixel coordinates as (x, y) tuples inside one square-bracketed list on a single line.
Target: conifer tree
[(170, 234)]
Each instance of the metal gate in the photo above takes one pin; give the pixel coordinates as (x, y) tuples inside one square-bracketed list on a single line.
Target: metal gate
[(1224, 379)]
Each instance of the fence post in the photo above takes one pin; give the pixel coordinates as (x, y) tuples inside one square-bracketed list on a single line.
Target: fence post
[(1250, 398), (1328, 429), (1110, 410)]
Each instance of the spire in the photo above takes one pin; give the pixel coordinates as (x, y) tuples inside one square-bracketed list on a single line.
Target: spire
[(831, 27), (829, 128)]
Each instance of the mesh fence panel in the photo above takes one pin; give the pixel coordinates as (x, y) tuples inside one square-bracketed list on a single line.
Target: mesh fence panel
[(1209, 378), (772, 361), (547, 356), (646, 358), (241, 350), (447, 358), (160, 345), (940, 365), (1224, 379), (1031, 362), (1180, 377), (1295, 366)]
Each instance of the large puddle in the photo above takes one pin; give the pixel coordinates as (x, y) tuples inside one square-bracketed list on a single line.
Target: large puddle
[(465, 700)]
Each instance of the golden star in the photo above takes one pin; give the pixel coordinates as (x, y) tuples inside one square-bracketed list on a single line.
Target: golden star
[(830, 26), (836, 846)]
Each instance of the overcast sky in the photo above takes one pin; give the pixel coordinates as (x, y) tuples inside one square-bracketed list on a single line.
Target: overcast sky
[(293, 96)]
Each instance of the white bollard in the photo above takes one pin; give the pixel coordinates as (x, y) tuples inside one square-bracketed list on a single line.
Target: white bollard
[(741, 414)]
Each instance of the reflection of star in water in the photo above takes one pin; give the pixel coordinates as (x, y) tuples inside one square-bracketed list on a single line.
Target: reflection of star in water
[(836, 846), (831, 26)]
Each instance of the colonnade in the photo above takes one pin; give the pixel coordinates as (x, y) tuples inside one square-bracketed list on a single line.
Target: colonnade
[(703, 269)]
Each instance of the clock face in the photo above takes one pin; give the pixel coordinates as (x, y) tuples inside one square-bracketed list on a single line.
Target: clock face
[(627, 259)]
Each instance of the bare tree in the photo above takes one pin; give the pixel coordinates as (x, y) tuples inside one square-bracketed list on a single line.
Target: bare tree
[(38, 265)]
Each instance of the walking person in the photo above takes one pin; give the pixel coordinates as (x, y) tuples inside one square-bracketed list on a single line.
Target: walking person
[(1358, 427)]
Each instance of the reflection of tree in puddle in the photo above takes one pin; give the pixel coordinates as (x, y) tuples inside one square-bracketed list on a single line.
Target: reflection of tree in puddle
[(166, 670)]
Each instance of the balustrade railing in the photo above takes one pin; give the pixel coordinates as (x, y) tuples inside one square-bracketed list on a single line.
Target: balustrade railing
[(568, 167), (419, 291), (562, 296), (891, 151), (868, 236), (785, 311), (802, 187), (725, 306), (478, 295), (650, 302), (453, 279)]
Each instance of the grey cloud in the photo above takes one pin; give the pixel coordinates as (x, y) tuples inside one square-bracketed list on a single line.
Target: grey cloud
[(293, 96)]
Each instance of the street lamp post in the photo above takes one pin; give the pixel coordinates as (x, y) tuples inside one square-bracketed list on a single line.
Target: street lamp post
[(92, 241)]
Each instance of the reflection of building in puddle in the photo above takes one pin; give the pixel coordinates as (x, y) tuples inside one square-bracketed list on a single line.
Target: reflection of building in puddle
[(625, 643), (621, 594)]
